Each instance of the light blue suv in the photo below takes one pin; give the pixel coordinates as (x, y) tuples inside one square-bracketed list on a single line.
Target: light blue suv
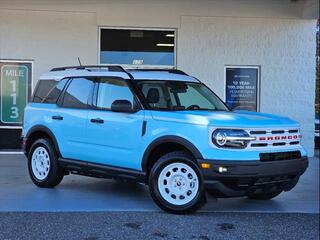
[(163, 128)]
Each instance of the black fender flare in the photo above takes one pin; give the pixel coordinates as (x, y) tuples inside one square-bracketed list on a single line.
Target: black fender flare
[(44, 129), (171, 139)]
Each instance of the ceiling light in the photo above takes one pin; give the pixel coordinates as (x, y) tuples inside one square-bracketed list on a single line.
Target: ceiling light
[(165, 45)]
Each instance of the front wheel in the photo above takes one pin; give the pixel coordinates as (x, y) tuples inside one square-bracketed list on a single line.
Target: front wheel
[(176, 184)]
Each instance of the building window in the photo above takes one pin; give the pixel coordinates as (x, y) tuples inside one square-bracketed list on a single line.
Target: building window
[(137, 47)]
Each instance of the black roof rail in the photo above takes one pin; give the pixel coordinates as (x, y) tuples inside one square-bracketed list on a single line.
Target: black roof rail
[(111, 68), (176, 71)]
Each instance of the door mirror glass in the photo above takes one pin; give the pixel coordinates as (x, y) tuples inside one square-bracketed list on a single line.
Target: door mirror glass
[(122, 106)]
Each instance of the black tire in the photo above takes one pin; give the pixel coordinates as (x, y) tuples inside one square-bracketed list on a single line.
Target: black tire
[(55, 173), (176, 157), (264, 195)]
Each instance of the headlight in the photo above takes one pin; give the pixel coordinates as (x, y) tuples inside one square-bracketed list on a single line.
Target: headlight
[(231, 138)]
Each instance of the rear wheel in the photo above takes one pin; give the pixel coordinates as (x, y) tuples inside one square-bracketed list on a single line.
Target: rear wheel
[(176, 184), (264, 195), (43, 164)]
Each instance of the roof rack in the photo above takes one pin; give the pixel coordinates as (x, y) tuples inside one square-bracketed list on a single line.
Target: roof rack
[(118, 68), (111, 68), (176, 71)]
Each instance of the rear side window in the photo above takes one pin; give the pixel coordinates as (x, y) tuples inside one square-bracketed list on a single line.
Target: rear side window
[(42, 90), (55, 92), (48, 91), (77, 93)]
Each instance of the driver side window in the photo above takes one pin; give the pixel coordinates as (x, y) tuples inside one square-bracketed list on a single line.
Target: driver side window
[(110, 90), (165, 99)]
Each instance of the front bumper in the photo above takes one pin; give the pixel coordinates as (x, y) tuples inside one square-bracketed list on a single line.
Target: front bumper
[(243, 177)]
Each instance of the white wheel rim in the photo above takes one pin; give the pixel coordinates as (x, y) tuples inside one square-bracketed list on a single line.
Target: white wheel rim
[(40, 163), (178, 183)]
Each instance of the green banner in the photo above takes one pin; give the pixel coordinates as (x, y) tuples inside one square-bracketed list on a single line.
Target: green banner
[(14, 92)]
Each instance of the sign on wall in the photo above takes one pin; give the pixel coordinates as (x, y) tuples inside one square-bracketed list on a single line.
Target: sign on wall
[(242, 87), (15, 90)]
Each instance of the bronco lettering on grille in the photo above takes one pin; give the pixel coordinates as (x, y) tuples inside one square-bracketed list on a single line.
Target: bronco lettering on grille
[(271, 138)]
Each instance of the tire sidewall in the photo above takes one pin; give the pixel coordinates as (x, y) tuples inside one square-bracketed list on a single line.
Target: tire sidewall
[(45, 143), (155, 193)]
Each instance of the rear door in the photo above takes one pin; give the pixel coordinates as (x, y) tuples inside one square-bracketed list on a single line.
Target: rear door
[(114, 138), (70, 117)]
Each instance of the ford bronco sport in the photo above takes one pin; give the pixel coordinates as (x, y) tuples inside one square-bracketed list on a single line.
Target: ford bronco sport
[(162, 128)]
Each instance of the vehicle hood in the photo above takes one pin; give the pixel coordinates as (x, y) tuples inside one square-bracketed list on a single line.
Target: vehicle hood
[(242, 119)]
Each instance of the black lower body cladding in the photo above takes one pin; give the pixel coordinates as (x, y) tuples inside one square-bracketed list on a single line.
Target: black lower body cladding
[(241, 178)]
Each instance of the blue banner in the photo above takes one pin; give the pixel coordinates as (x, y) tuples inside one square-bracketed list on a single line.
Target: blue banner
[(137, 58)]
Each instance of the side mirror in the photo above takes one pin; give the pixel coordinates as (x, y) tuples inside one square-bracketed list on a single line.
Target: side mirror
[(122, 106)]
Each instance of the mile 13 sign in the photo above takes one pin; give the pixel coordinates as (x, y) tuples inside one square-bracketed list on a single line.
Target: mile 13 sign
[(15, 88)]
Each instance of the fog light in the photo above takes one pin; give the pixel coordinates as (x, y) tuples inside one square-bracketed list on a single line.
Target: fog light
[(205, 165), (222, 169)]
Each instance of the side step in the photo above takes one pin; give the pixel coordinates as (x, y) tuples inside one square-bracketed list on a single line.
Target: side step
[(101, 171)]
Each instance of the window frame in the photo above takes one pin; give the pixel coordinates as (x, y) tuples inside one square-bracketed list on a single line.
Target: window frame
[(142, 65)]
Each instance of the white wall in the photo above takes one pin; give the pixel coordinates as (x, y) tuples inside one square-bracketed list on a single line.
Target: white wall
[(211, 34), (48, 38)]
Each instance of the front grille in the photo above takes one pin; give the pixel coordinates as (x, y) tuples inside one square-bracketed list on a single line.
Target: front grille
[(280, 156), (278, 132), (257, 132), (293, 131), (259, 144), (278, 144), (274, 138)]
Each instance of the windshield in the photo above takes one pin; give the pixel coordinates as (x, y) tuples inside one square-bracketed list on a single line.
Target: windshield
[(177, 95)]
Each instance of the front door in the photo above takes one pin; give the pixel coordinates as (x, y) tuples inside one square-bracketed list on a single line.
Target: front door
[(114, 138)]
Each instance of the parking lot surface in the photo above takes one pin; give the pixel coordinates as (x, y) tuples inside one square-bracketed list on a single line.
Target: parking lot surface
[(78, 194), (153, 225)]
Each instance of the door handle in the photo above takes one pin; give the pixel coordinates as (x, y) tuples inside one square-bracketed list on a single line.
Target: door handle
[(97, 120), (57, 118)]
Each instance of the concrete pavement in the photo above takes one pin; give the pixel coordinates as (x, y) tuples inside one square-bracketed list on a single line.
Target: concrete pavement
[(78, 193)]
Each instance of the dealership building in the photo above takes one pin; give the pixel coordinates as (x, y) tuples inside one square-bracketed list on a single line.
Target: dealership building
[(254, 54)]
